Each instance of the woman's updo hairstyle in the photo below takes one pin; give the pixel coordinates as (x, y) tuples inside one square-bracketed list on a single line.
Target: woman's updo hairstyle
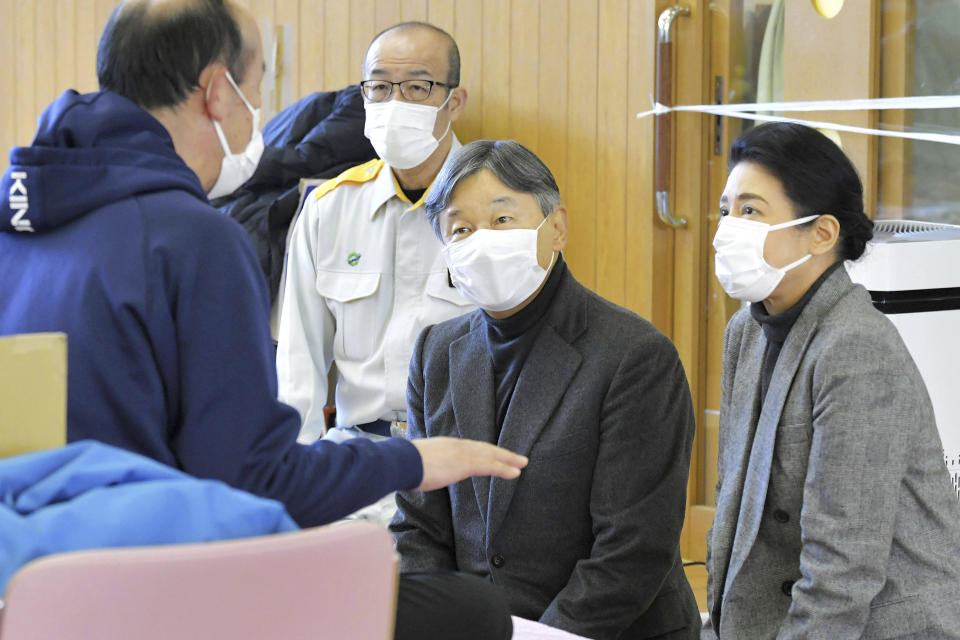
[(816, 175)]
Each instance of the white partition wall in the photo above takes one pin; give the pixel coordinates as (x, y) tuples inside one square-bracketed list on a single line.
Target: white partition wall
[(912, 270)]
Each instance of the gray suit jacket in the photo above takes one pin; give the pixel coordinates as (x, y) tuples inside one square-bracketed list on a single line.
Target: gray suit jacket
[(587, 538), (835, 514)]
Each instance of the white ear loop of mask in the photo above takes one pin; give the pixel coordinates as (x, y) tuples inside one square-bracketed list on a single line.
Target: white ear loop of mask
[(254, 112)]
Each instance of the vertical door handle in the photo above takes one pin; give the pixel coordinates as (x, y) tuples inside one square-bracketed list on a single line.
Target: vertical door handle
[(663, 135)]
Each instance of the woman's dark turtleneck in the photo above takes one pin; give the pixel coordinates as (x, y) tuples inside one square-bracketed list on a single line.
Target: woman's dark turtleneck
[(509, 340), (777, 326)]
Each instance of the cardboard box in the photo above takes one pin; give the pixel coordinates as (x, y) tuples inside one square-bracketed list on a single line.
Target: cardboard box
[(33, 392)]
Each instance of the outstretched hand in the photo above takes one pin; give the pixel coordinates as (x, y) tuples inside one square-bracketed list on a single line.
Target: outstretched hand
[(449, 460)]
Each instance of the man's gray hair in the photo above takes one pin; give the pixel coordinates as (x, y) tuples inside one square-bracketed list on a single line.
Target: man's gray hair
[(512, 163)]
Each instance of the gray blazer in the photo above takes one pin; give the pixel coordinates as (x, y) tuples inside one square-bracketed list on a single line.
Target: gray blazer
[(587, 539), (835, 514)]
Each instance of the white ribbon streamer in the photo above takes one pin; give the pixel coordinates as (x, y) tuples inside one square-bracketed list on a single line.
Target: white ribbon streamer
[(748, 111)]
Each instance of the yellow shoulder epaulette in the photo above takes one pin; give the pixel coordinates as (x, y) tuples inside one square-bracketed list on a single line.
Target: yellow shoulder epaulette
[(354, 175)]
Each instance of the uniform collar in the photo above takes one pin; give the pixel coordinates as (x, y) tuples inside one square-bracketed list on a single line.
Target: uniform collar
[(386, 186)]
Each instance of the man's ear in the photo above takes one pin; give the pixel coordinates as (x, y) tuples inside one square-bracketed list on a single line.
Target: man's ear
[(826, 234), (215, 88), (458, 100), (558, 220)]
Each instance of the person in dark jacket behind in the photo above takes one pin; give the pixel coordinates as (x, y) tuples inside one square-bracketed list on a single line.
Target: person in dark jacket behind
[(319, 136), (108, 237)]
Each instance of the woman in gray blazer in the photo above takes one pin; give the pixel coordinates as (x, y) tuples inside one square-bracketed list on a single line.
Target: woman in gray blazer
[(835, 514)]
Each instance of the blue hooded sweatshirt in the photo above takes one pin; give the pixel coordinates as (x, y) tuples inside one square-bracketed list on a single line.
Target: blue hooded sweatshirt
[(107, 236)]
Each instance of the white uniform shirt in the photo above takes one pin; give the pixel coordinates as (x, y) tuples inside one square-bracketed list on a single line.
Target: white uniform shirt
[(364, 276)]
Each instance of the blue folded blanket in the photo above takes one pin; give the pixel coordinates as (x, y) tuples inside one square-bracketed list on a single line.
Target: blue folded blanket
[(89, 495)]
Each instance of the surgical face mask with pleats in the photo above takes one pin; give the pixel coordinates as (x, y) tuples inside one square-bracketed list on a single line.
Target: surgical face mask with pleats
[(402, 132), (237, 168), (741, 268), (496, 269)]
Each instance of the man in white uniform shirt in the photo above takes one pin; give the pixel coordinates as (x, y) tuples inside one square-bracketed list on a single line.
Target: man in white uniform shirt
[(364, 273)]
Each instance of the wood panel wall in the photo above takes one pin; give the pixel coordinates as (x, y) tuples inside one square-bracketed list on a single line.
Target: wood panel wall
[(46, 46), (563, 77), (818, 75)]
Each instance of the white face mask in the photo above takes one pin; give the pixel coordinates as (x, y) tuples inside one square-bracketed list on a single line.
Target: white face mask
[(237, 168), (741, 269), (402, 132), (496, 269)]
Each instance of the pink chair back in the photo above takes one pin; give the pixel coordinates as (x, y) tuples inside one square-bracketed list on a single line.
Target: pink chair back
[(329, 582)]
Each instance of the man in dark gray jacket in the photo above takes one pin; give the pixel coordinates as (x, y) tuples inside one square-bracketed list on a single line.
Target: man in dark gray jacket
[(587, 539)]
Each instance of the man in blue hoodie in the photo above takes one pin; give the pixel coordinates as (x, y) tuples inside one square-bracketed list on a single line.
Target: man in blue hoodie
[(106, 234)]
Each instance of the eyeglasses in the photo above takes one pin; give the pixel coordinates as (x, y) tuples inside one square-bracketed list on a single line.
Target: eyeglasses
[(412, 90)]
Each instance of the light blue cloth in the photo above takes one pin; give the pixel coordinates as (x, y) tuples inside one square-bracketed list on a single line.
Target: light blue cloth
[(89, 495)]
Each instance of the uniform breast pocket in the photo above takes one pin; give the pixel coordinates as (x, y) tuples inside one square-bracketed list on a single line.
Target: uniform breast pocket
[(443, 301), (352, 299)]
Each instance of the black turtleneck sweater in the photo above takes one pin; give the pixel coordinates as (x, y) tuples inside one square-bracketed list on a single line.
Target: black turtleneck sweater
[(776, 327), (509, 340)]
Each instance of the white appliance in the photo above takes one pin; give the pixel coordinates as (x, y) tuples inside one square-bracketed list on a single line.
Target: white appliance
[(912, 270)]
